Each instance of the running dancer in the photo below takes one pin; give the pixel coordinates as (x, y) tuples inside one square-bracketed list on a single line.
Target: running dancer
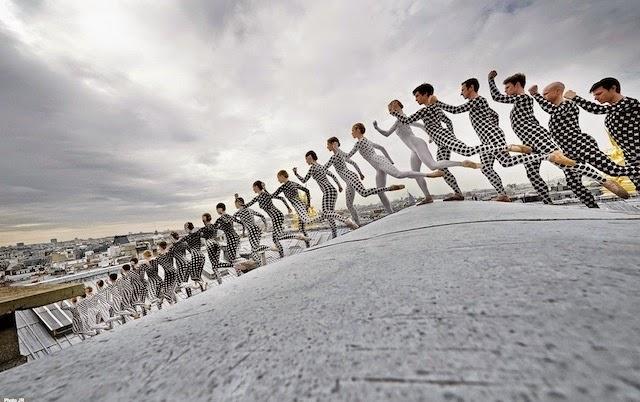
[(265, 201), (225, 223), (382, 164), (445, 138), (246, 217), (165, 259), (339, 161), (139, 285), (622, 121), (182, 263), (485, 123), (194, 244), (329, 193), (155, 281), (529, 130), (420, 153), (564, 126), (291, 190), (209, 232)]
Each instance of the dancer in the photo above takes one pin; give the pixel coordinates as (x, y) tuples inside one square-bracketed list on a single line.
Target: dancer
[(225, 223), (420, 153), (139, 285), (382, 164), (126, 289), (622, 120), (165, 259), (194, 244), (78, 323), (265, 201), (564, 126), (156, 284), (246, 217), (209, 232), (445, 138), (114, 294), (339, 160), (529, 130), (182, 263), (291, 189), (485, 123), (329, 193)]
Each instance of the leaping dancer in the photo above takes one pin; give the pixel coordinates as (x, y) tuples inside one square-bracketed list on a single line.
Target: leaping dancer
[(339, 161), (291, 190)]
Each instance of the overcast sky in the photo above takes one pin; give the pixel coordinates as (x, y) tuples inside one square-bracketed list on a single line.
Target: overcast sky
[(121, 116)]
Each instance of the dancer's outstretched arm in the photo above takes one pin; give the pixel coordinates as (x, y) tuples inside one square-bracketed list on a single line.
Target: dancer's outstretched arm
[(447, 121), (544, 104), (465, 107), (335, 179), (305, 190), (259, 215), (589, 106), (250, 203), (277, 197), (302, 179), (353, 151), (355, 166), (419, 115), (388, 132), (495, 93), (381, 148)]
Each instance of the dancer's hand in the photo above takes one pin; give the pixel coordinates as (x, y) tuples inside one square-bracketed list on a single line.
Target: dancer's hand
[(340, 189), (533, 90), (236, 195), (375, 124), (361, 176), (493, 74), (290, 210), (295, 170), (570, 94)]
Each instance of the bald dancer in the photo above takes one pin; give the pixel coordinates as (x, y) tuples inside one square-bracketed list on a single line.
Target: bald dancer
[(564, 126)]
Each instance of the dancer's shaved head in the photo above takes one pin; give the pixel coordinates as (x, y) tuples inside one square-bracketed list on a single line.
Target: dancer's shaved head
[(554, 86), (553, 92)]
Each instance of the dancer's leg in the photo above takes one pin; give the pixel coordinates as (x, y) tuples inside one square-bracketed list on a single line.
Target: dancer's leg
[(423, 152), (381, 181), (350, 194), (533, 174), (574, 181), (444, 154), (416, 164), (491, 175)]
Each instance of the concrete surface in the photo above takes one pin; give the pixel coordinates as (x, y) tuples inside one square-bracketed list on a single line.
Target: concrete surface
[(451, 301)]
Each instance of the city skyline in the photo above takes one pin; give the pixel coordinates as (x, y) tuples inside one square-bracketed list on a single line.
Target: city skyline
[(141, 114)]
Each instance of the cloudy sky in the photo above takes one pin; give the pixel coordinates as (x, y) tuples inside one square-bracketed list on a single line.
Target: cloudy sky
[(121, 116)]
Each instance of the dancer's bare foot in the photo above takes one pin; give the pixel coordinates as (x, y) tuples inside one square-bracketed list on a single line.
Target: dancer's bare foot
[(523, 149), (396, 187), (616, 189), (435, 174), (426, 200), (351, 224), (471, 164), (303, 237), (559, 158), (502, 198), (455, 197)]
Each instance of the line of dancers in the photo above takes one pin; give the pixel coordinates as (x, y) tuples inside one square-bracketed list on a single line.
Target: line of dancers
[(563, 144)]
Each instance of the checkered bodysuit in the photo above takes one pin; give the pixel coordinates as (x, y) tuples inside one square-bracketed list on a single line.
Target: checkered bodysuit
[(484, 121), (208, 232), (225, 223), (246, 217), (530, 132), (339, 160), (265, 201), (329, 195), (291, 189), (182, 262), (623, 123), (170, 275), (139, 285), (196, 265), (78, 322), (433, 117)]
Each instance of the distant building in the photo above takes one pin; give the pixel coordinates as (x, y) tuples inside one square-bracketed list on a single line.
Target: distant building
[(19, 244), (54, 241), (120, 240)]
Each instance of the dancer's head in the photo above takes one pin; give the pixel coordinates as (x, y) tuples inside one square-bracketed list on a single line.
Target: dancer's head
[(221, 208), (357, 131), (100, 284), (258, 186), (422, 93), (188, 226), (88, 291), (283, 176), (113, 277), (162, 245), (310, 157), (126, 268), (175, 235), (554, 92), (469, 88), (74, 300), (239, 202), (206, 218), (147, 254), (133, 261), (606, 90), (514, 85), (395, 106), (333, 144)]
